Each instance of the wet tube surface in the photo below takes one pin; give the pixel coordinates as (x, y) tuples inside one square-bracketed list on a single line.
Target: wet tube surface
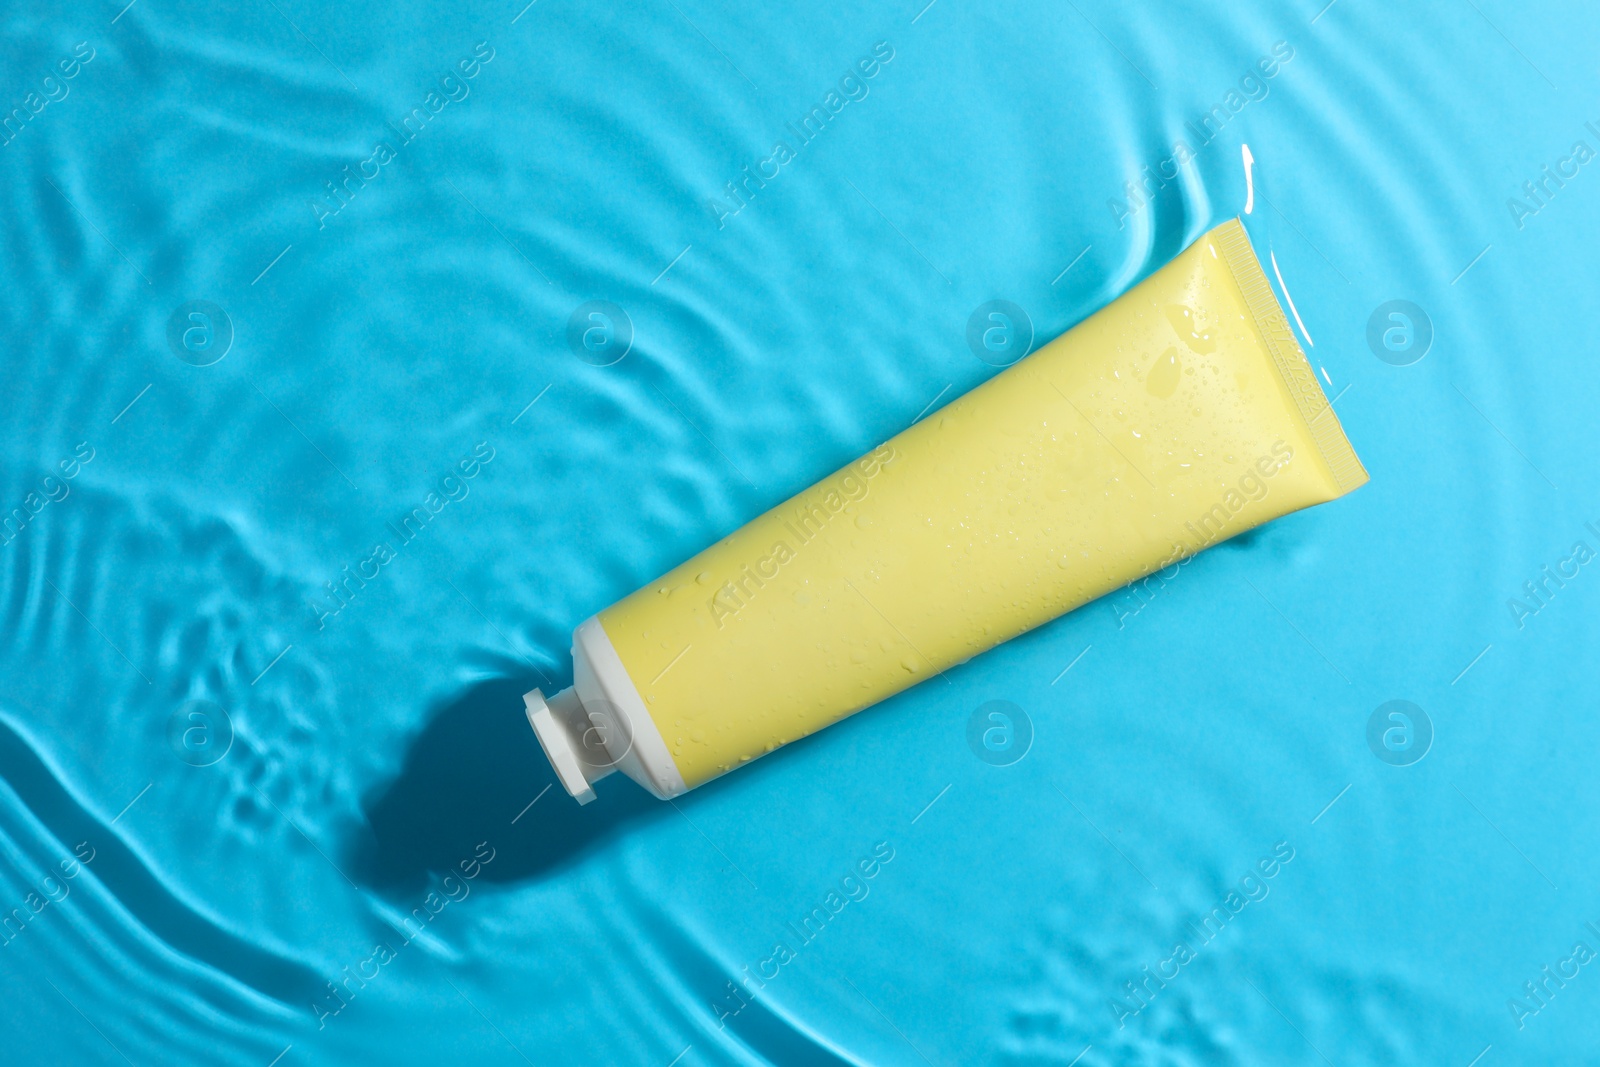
[(1178, 416)]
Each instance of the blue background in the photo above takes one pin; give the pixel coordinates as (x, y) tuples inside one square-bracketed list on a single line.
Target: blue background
[(367, 753)]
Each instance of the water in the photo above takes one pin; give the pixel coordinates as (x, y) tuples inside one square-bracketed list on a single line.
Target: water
[(261, 788)]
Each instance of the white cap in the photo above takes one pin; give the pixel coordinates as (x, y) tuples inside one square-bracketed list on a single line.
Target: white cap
[(601, 725), (571, 741)]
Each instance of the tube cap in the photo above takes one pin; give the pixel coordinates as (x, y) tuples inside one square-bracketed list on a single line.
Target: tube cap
[(568, 738)]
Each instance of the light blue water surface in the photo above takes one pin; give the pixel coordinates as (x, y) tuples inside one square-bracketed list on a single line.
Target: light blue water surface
[(167, 605)]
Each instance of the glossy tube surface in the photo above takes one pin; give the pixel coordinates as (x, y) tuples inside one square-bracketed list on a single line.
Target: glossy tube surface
[(1176, 417)]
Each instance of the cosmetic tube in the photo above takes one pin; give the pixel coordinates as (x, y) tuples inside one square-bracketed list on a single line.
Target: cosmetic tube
[(1180, 415)]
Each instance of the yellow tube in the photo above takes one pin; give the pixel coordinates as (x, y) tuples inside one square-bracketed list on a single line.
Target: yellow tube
[(1178, 416)]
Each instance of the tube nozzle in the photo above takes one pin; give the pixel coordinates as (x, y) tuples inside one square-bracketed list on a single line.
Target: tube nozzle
[(570, 740)]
